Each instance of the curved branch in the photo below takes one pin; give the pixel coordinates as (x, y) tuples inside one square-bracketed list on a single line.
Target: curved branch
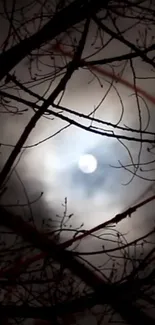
[(74, 13)]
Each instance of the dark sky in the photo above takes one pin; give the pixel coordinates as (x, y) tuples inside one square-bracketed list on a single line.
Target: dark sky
[(54, 164), (52, 167)]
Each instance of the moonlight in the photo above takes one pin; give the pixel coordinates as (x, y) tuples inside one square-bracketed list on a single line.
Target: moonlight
[(87, 163)]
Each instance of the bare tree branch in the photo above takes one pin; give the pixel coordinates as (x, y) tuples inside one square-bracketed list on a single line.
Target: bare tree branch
[(74, 13)]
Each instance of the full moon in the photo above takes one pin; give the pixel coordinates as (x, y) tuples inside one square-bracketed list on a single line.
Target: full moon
[(87, 163)]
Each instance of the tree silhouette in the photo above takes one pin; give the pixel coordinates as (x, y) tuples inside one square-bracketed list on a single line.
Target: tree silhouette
[(42, 276)]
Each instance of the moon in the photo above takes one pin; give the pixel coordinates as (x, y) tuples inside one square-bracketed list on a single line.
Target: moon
[(87, 163)]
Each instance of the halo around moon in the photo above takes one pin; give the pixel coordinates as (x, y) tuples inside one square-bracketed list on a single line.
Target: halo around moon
[(87, 163)]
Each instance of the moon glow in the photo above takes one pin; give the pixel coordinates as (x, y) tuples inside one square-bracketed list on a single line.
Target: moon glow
[(87, 163)]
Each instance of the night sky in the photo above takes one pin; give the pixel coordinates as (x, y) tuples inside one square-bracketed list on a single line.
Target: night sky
[(52, 167)]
